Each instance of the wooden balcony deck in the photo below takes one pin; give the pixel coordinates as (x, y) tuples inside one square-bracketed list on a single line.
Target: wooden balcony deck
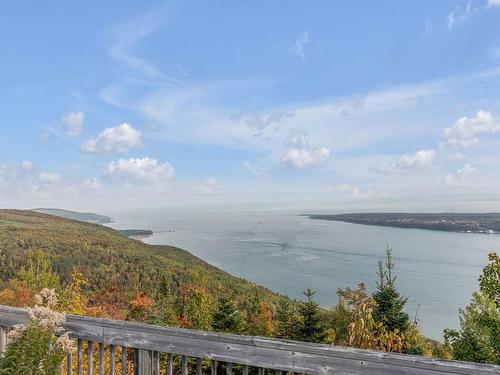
[(158, 350)]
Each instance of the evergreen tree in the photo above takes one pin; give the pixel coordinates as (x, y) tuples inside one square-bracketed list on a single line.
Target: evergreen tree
[(258, 320), (339, 321), (165, 303), (389, 309), (287, 320), (227, 318), (311, 326)]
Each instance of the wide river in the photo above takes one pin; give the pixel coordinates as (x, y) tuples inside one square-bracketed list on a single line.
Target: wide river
[(286, 252)]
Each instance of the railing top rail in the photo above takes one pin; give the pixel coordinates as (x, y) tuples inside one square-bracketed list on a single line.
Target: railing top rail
[(254, 351)]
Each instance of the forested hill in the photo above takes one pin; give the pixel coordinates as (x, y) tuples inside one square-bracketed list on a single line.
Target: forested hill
[(115, 269), (80, 216), (449, 222)]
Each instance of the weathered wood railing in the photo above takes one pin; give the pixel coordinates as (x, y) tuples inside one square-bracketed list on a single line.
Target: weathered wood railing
[(117, 347)]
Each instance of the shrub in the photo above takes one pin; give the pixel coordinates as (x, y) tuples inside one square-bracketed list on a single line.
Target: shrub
[(40, 346)]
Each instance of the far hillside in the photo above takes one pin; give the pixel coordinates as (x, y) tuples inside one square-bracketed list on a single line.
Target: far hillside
[(73, 215), (488, 223), (42, 250)]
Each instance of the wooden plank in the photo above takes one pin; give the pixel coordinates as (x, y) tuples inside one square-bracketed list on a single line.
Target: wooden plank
[(79, 357), (245, 369), (101, 358), (170, 364), (184, 365), (215, 364), (90, 357), (254, 351), (199, 366), (143, 362), (229, 368), (112, 360), (69, 364), (3, 340), (124, 361), (157, 365)]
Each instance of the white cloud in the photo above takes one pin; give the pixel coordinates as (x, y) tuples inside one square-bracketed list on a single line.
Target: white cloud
[(27, 165), (256, 170), (208, 186), (408, 162), (466, 131), (92, 183), (147, 170), (297, 139), (462, 13), (461, 175), (72, 123), (456, 156), (128, 35), (298, 48), (115, 140), (354, 191), (303, 158), (48, 178), (451, 20), (428, 27), (493, 3)]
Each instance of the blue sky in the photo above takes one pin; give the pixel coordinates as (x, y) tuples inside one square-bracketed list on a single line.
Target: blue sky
[(336, 105)]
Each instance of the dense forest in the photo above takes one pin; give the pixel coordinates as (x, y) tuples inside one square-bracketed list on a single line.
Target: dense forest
[(97, 271)]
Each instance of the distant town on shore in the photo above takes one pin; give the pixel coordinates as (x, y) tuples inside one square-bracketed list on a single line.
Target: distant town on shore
[(488, 223)]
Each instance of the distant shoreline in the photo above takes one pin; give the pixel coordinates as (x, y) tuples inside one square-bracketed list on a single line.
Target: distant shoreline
[(137, 234), (485, 223), (93, 218)]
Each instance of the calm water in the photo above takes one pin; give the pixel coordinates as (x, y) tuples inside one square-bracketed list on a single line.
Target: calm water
[(287, 253)]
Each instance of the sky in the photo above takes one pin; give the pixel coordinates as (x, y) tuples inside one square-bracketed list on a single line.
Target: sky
[(325, 105)]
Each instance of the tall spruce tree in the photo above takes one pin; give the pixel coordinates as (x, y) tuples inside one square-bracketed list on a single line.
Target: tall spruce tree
[(311, 327), (227, 318), (287, 320), (390, 304)]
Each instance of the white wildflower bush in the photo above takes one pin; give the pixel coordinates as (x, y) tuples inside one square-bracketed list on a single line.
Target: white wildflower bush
[(40, 346)]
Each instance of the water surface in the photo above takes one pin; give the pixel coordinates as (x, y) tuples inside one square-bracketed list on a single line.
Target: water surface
[(286, 252)]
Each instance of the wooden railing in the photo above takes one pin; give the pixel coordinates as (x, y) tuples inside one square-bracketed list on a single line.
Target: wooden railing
[(117, 347)]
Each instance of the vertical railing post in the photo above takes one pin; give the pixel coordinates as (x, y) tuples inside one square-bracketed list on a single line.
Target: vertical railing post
[(157, 363), (69, 364), (112, 359), (79, 357), (199, 366), (124, 361), (101, 359), (3, 340), (90, 357), (143, 362), (184, 365), (170, 364)]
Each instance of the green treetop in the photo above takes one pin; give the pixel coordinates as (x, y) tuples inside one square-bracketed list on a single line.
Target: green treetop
[(389, 309), (227, 318), (311, 327)]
